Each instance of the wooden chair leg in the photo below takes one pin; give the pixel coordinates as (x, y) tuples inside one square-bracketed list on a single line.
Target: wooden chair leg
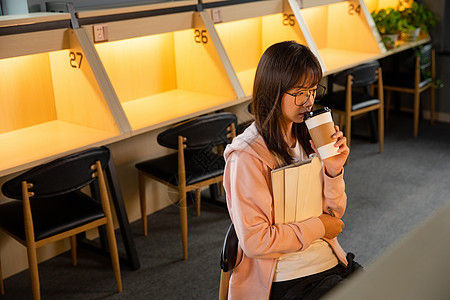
[(184, 224), (182, 195), (224, 282), (381, 128), (432, 104), (114, 254), (2, 288), (416, 113), (348, 131), (73, 246), (109, 227), (387, 105), (34, 274), (198, 199), (221, 189), (143, 202), (30, 242), (341, 121)]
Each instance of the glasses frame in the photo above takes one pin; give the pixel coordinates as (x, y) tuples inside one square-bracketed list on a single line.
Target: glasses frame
[(310, 92)]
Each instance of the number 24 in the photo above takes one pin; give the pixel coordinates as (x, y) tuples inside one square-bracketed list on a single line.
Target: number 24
[(354, 9)]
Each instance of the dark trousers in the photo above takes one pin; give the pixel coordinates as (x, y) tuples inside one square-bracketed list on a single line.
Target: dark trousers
[(313, 286)]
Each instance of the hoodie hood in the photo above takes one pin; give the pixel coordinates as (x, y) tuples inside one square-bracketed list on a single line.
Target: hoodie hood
[(251, 142)]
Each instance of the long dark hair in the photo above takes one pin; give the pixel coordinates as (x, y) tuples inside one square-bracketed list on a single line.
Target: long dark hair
[(281, 68)]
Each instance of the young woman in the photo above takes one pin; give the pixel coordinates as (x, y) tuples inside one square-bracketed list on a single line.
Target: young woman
[(299, 260)]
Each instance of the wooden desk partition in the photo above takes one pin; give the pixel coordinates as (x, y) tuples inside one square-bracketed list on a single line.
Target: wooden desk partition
[(343, 34), (168, 76), (247, 30), (51, 104)]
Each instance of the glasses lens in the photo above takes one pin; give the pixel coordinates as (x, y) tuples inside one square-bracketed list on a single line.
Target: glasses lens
[(303, 97)]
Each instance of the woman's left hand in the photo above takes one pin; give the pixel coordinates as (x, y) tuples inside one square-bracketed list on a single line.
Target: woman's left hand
[(333, 165)]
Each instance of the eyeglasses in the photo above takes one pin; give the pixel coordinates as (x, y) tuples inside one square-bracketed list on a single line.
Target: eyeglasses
[(302, 96)]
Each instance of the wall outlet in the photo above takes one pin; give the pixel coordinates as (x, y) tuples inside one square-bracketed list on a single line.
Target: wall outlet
[(100, 33), (216, 15)]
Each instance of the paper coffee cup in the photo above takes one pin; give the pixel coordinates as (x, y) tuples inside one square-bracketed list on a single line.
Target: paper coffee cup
[(321, 127)]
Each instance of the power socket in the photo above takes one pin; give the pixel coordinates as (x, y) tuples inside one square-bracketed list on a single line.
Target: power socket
[(216, 15), (100, 33)]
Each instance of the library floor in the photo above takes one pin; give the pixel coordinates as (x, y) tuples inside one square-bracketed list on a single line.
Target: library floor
[(388, 195)]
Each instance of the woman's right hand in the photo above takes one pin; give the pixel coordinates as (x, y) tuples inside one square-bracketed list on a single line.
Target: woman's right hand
[(333, 226)]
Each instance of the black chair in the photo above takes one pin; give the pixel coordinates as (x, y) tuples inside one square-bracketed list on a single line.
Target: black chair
[(196, 164), (357, 97), (49, 206), (242, 126), (416, 74), (228, 258)]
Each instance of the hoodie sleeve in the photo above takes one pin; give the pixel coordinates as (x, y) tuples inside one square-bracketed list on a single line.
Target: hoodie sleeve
[(247, 184), (334, 194)]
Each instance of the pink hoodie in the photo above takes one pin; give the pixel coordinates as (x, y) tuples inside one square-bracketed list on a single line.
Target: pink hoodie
[(248, 187)]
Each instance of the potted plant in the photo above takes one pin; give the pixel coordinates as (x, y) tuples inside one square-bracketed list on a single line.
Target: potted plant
[(408, 32), (415, 19), (387, 22)]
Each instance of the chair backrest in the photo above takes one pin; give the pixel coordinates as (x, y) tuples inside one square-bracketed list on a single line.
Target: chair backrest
[(201, 132), (228, 255), (407, 64), (425, 63), (424, 55), (363, 75), (60, 176)]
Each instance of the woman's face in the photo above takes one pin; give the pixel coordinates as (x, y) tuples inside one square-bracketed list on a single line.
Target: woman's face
[(296, 102)]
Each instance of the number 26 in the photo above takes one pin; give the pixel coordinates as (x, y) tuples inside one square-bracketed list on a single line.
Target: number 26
[(200, 36)]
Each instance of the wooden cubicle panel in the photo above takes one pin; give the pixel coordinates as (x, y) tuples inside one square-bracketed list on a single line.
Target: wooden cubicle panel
[(167, 74), (344, 34), (247, 30), (51, 104), (13, 45), (107, 10)]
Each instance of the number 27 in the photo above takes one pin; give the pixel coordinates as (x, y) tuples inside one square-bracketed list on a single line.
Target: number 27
[(73, 59)]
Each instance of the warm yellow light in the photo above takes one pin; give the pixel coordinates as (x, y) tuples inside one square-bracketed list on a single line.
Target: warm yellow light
[(242, 41), (246, 40), (316, 13), (280, 27), (26, 92), (166, 76), (373, 5), (139, 67)]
